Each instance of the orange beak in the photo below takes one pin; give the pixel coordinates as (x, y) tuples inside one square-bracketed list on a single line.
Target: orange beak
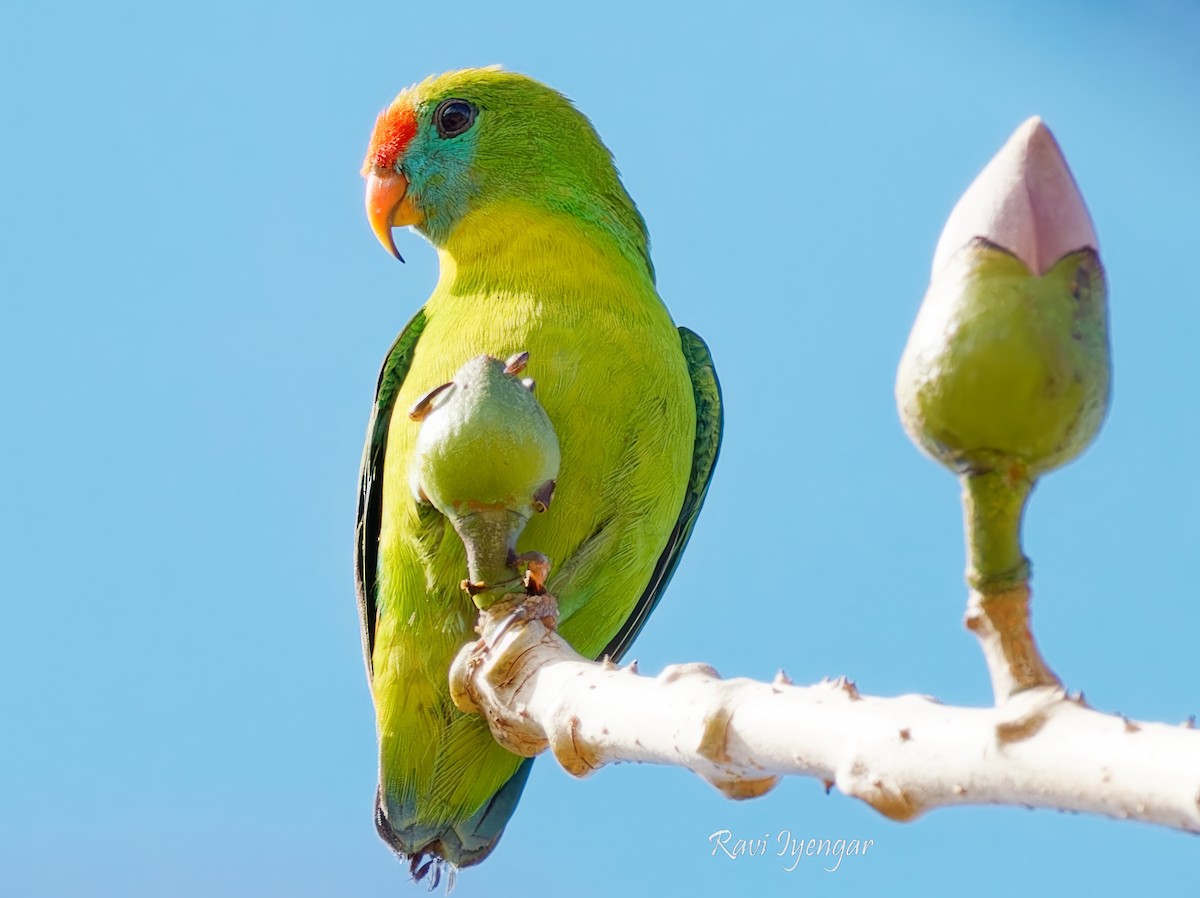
[(389, 205)]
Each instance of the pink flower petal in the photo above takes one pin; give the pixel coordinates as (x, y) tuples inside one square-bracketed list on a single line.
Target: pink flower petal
[(1024, 200)]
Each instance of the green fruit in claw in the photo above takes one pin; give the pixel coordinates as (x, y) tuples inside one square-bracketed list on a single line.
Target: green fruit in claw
[(485, 443)]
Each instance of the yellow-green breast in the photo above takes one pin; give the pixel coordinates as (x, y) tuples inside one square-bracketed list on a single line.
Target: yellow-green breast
[(611, 375)]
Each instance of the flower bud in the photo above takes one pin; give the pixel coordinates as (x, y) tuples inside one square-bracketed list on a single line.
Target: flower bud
[(1008, 360), (486, 457), (485, 441)]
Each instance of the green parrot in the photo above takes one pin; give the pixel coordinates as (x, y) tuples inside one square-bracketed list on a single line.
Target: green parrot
[(541, 250)]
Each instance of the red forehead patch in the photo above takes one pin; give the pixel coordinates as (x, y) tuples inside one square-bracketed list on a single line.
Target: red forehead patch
[(394, 130)]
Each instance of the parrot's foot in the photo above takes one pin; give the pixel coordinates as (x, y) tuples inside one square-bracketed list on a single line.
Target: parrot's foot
[(495, 622), (536, 573), (531, 583), (477, 588)]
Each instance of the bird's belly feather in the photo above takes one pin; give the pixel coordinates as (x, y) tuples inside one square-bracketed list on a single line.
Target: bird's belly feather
[(615, 385)]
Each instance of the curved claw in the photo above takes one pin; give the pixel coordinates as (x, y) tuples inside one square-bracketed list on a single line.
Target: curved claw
[(423, 406), (516, 364), (537, 574), (541, 499)]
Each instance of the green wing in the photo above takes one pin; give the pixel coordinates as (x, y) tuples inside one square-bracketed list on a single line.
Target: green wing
[(470, 841), (474, 838), (709, 417), (370, 493)]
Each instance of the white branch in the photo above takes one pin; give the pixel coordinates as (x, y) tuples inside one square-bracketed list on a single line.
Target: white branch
[(902, 755)]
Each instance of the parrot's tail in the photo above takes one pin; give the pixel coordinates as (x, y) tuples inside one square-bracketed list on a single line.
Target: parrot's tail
[(457, 844)]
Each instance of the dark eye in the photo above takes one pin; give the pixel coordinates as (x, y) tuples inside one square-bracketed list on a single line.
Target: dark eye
[(453, 117)]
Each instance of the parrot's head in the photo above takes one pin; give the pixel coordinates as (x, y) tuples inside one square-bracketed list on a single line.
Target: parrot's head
[(460, 142)]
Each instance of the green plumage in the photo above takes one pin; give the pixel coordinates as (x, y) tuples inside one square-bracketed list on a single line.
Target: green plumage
[(551, 258)]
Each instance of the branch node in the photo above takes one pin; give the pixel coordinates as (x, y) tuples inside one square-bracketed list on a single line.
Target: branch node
[(462, 672), (895, 804), (742, 789), (1023, 715), (1020, 729), (856, 780), (570, 751), (692, 668), (713, 740)]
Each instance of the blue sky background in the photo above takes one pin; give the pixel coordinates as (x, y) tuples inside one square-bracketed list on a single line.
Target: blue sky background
[(194, 310)]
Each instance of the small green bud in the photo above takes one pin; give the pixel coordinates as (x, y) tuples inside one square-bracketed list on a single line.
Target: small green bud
[(1008, 360), (486, 457), (485, 441)]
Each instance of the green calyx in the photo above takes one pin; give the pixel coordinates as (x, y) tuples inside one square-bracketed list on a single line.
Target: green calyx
[(1004, 366)]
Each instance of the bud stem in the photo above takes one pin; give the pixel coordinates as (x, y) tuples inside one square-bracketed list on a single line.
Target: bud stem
[(489, 536), (993, 507), (998, 573)]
